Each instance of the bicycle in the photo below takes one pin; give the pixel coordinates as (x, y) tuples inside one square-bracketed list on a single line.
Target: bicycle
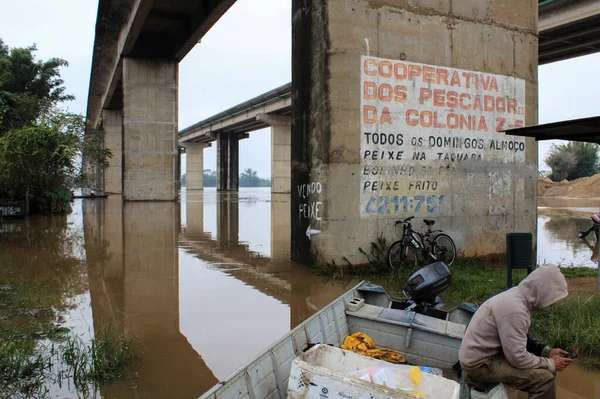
[(432, 244)]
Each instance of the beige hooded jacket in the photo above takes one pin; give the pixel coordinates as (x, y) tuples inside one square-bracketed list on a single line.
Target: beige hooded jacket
[(501, 323)]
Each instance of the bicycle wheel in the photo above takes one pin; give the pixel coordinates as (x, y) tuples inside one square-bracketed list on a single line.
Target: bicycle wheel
[(401, 256), (444, 248)]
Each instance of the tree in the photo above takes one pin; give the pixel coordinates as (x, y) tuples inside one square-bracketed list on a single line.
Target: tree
[(41, 146), (28, 87), (210, 178), (249, 178), (572, 160), (41, 162)]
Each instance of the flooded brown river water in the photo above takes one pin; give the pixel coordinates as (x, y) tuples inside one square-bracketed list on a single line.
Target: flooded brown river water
[(205, 284)]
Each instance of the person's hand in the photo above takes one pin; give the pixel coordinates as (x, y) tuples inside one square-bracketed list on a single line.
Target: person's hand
[(558, 352), (561, 363)]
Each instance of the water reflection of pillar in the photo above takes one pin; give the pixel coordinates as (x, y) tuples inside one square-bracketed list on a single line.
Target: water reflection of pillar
[(103, 228), (139, 253), (194, 215), (152, 302), (228, 218), (280, 226), (151, 279)]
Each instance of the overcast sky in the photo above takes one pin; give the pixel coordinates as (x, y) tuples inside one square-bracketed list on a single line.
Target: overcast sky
[(247, 53)]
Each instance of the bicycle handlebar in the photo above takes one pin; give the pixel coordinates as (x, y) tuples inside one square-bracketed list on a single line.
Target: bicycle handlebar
[(403, 221)]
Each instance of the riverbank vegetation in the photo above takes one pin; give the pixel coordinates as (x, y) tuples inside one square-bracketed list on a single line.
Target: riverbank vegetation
[(29, 372), (41, 277), (573, 323), (572, 160), (248, 178), (41, 145)]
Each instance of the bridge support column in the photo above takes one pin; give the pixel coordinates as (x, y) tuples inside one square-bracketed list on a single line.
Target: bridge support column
[(150, 147), (376, 121), (113, 140), (281, 152), (228, 161), (194, 161)]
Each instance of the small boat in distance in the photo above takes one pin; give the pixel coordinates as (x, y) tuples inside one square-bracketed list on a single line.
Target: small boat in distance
[(416, 327), (91, 195)]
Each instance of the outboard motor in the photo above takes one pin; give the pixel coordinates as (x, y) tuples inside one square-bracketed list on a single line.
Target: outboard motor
[(426, 284)]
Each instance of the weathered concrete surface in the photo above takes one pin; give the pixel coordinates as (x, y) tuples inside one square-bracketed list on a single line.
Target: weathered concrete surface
[(281, 152), (113, 141), (150, 149), (194, 161), (483, 198)]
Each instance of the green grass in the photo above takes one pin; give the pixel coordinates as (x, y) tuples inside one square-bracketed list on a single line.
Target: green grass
[(473, 281), (574, 272), (104, 359), (572, 324), (26, 372), (22, 374)]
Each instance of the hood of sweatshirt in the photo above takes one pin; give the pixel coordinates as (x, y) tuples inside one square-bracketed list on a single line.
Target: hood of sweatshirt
[(545, 286)]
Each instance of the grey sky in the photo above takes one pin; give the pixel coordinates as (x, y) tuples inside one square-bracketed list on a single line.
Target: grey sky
[(247, 53)]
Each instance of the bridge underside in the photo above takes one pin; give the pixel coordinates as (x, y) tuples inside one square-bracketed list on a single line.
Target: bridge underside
[(147, 29), (134, 80), (272, 109), (568, 29)]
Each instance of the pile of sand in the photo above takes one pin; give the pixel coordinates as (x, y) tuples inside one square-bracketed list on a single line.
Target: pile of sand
[(585, 187)]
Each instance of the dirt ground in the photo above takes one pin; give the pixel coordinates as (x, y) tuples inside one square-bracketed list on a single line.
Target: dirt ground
[(585, 187), (582, 285)]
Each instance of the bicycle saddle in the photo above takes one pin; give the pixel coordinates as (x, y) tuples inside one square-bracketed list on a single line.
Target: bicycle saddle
[(429, 222)]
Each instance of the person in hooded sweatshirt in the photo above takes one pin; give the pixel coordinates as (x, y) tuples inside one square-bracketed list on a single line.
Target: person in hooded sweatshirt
[(496, 347)]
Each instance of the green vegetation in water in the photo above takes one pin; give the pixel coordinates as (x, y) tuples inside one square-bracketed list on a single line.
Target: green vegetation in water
[(104, 359), (39, 275), (573, 324), (21, 373), (25, 373)]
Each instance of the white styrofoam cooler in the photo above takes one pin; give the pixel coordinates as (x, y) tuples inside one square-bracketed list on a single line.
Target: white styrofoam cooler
[(325, 372)]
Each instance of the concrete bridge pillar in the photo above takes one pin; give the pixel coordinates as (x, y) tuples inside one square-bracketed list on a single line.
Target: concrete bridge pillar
[(150, 148), (228, 161), (281, 152), (396, 110), (113, 140), (194, 165)]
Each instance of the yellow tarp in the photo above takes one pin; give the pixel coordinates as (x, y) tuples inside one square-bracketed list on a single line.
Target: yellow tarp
[(363, 344)]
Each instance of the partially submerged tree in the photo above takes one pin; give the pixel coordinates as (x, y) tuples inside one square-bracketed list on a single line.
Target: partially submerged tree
[(41, 146), (572, 160)]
